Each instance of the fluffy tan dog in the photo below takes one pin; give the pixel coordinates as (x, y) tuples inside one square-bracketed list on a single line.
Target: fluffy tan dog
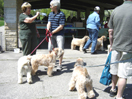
[(78, 42), (48, 60), (99, 45), (80, 79), (24, 67)]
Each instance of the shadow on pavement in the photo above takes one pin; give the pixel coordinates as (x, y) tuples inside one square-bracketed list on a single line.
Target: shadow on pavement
[(127, 92)]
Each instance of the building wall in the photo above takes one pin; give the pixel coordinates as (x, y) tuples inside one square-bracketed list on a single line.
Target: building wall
[(11, 13), (12, 10)]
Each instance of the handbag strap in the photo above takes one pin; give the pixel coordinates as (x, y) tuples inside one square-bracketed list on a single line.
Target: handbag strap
[(108, 61)]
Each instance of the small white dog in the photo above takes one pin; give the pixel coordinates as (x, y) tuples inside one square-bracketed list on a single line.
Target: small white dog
[(81, 79), (78, 42), (24, 67)]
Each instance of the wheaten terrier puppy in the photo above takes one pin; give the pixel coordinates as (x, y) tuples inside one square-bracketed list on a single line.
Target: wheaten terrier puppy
[(78, 42), (99, 45), (81, 79), (24, 67), (48, 60)]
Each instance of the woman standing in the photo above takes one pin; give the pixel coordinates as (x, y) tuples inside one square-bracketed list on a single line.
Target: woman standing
[(28, 32)]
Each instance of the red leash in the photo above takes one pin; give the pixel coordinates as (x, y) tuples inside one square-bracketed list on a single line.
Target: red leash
[(48, 34)]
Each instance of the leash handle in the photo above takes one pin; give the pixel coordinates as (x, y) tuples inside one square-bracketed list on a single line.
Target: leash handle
[(50, 34), (108, 61)]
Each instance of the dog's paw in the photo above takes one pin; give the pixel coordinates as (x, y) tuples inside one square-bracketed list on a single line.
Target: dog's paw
[(20, 81), (30, 82), (50, 75), (91, 94), (71, 88), (83, 96)]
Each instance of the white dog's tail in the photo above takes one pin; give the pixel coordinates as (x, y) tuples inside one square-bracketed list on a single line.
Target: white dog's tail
[(72, 36)]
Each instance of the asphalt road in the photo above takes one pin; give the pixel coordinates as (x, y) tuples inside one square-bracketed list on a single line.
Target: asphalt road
[(55, 87)]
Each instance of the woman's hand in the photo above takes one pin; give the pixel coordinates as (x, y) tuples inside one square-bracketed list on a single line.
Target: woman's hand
[(37, 14)]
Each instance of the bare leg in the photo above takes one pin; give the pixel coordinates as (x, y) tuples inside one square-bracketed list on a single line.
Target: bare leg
[(114, 81), (121, 87), (60, 60)]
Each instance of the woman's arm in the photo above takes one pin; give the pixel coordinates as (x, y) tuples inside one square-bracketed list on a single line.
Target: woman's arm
[(30, 20)]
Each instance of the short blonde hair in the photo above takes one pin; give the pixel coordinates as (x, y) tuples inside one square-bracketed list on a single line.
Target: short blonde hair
[(55, 3), (24, 6)]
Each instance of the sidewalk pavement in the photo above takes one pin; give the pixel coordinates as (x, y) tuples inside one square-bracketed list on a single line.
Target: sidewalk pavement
[(55, 87)]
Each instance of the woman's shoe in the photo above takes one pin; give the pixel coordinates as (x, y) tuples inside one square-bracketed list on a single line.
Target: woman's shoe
[(84, 50)]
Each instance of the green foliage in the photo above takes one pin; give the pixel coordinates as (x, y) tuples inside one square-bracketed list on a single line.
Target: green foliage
[(48, 10), (1, 22), (69, 13), (33, 12), (1, 18)]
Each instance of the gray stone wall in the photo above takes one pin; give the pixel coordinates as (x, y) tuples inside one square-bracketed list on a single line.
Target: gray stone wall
[(10, 17), (12, 9)]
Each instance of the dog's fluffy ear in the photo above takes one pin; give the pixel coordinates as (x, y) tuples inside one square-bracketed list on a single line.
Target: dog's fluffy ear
[(104, 38)]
